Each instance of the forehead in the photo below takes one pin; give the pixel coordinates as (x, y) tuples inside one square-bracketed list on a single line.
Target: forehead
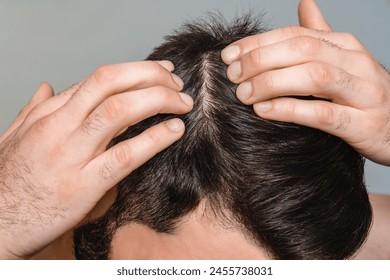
[(196, 237)]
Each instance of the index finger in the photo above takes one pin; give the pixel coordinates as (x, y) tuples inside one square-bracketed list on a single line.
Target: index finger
[(112, 79), (247, 44), (107, 169)]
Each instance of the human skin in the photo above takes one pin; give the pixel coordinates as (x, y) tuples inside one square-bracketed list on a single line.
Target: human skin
[(377, 245), (359, 126), (129, 237), (54, 161), (303, 61), (200, 236), (314, 60)]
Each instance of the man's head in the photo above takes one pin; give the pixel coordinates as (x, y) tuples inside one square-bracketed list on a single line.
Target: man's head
[(235, 185)]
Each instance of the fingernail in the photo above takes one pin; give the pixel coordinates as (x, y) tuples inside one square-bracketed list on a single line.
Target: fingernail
[(178, 80), (186, 99), (234, 71), (175, 125), (244, 91), (167, 65), (263, 106), (230, 53)]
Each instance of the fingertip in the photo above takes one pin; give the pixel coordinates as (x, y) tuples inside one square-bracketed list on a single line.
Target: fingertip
[(303, 12), (187, 99), (176, 125), (44, 90), (263, 107), (230, 53), (310, 16), (45, 85), (304, 6), (234, 71), (244, 92), (178, 81), (167, 65)]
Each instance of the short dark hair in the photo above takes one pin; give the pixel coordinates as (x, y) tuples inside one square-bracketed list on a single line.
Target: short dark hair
[(296, 191)]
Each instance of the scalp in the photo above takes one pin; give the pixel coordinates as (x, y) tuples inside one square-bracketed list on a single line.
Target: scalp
[(295, 191)]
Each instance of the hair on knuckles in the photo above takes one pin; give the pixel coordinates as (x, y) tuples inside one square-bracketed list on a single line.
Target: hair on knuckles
[(296, 191)]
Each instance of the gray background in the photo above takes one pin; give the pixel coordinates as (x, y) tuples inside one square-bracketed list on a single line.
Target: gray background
[(62, 41)]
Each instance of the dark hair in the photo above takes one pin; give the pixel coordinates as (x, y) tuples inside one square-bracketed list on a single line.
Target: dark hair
[(295, 191)]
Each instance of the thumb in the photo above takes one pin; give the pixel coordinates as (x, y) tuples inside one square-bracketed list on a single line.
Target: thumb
[(44, 92), (310, 16)]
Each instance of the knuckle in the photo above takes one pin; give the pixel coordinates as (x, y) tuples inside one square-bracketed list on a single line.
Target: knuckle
[(286, 109), (92, 123), (267, 82), (307, 46), (105, 73), (343, 121), (292, 31), (155, 69), (320, 74), (367, 62), (106, 171), (289, 109), (255, 58), (344, 80), (352, 39), (380, 94), (42, 125), (324, 114), (152, 137), (112, 108), (122, 154), (364, 59), (163, 94), (161, 98)]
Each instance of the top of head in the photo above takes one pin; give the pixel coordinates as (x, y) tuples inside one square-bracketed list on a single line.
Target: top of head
[(296, 191)]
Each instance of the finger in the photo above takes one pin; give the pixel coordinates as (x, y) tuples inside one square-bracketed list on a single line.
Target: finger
[(310, 16), (72, 89), (338, 120), (43, 93), (50, 105), (247, 44), (109, 80), (64, 96), (167, 65), (311, 79), (124, 110), (296, 51), (109, 168), (57, 102)]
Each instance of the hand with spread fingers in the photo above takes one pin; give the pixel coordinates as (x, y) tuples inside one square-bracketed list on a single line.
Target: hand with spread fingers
[(54, 161), (352, 88)]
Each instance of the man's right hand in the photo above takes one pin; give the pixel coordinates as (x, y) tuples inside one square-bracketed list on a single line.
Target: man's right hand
[(54, 162)]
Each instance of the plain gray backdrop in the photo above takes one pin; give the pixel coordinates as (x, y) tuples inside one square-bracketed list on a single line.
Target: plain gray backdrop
[(63, 41)]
